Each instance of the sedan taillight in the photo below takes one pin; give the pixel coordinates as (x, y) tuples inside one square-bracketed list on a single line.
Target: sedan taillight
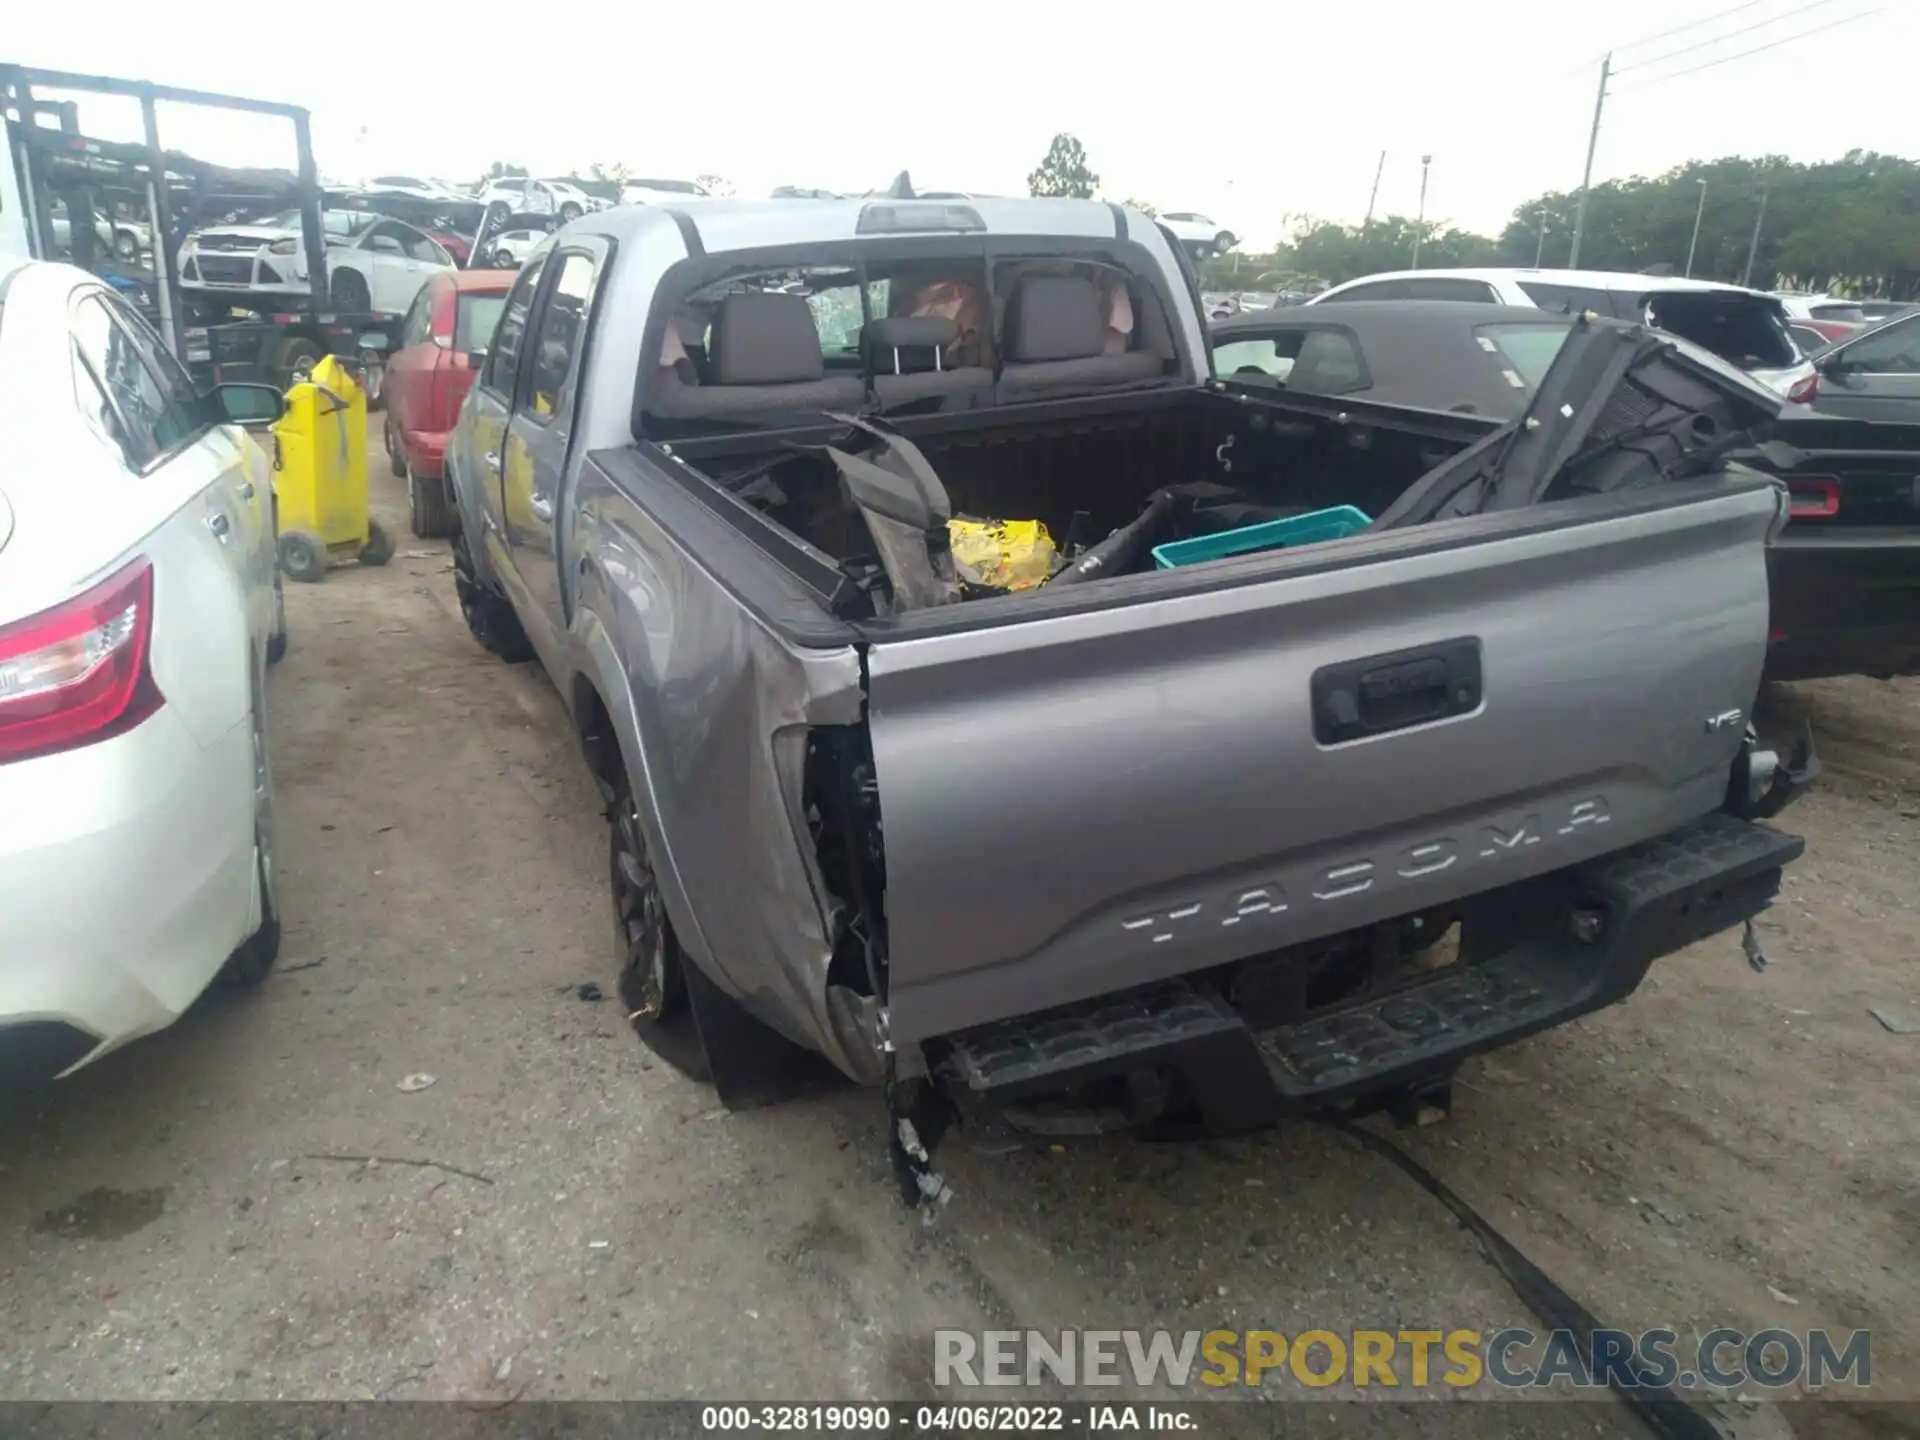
[(78, 673), (1804, 392), (1813, 497)]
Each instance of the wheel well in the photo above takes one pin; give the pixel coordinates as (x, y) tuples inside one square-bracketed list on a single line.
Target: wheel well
[(597, 738)]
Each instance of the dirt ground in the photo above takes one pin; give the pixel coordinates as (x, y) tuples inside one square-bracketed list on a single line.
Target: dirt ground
[(196, 1217)]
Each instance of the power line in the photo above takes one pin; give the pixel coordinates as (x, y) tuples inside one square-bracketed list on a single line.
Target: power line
[(1690, 25), (1663, 34), (1725, 35), (1756, 50)]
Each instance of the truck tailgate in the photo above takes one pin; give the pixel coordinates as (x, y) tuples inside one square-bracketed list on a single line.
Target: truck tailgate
[(1089, 801)]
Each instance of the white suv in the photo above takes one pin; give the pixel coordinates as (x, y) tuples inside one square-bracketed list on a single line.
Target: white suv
[(1742, 327), (660, 192), (1746, 328), (515, 194), (1197, 232)]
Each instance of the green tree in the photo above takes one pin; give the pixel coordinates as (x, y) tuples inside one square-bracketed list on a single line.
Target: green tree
[(1064, 171), (499, 170), (1336, 252), (1145, 207), (717, 185)]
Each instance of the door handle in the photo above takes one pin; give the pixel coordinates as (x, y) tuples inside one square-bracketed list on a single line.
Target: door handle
[(492, 458), (221, 527), (541, 507), (1384, 693), (246, 489)]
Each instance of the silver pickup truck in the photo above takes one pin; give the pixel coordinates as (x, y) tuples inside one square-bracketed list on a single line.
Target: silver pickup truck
[(851, 532)]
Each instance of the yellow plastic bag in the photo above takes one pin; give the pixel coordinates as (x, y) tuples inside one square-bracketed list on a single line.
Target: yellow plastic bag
[(1001, 554)]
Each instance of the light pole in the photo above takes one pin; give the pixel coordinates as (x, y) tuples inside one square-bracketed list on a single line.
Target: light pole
[(1540, 249), (1753, 244), (1699, 212), (1374, 194), (1586, 176), (1420, 220)]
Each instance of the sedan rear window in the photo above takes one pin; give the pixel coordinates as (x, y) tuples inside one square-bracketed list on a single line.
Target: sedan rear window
[(1847, 314), (1524, 350), (474, 320)]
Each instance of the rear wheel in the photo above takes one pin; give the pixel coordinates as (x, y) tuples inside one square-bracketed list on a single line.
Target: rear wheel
[(396, 460), (249, 964), (652, 974), (569, 211), (126, 244), (429, 507), (488, 616), (277, 642), (1223, 242)]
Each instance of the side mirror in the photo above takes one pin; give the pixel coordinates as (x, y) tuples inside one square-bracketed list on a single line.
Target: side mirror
[(250, 404), (476, 358)]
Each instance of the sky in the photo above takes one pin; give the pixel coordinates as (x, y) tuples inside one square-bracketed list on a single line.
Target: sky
[(1259, 117)]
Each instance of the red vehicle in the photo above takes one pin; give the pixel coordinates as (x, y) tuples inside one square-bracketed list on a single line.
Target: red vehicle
[(456, 245), (428, 376)]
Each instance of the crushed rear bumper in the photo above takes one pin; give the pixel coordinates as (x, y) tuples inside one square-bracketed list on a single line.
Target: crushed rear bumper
[(1533, 956)]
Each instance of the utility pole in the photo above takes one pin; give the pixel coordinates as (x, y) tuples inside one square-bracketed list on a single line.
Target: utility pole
[(1698, 214), (1586, 176), (1753, 245), (1540, 250), (1420, 221), (1374, 194)]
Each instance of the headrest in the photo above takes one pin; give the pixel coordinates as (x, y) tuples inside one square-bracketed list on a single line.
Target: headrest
[(765, 338), (901, 331), (1055, 317)]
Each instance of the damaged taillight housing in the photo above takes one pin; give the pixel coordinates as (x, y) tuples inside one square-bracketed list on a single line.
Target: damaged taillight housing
[(1813, 497), (79, 673), (1804, 392)]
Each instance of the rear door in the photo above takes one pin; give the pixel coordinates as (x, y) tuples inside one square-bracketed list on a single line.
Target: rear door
[(409, 377), (477, 445), (188, 495), (393, 279), (1875, 376), (539, 437)]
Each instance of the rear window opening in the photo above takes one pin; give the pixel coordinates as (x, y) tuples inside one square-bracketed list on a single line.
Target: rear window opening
[(1744, 330)]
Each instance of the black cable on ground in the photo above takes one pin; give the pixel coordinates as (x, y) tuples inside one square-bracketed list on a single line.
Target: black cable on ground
[(1663, 1410)]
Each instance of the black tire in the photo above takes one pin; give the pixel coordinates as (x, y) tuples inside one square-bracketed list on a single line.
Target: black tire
[(503, 261), (429, 505), (379, 547), (1223, 242), (277, 642), (373, 378), (249, 964), (488, 615), (126, 244), (294, 364), (303, 557), (569, 212), (653, 982), (348, 290), (396, 460)]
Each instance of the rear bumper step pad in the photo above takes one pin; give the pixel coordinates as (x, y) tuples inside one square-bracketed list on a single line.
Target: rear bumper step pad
[(1633, 907)]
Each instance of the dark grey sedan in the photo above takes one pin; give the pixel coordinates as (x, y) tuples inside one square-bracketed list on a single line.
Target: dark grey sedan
[(1425, 354)]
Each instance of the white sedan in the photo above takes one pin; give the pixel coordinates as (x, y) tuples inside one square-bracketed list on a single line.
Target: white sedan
[(374, 263), (139, 608)]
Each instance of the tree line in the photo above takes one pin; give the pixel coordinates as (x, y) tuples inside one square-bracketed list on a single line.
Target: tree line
[(1846, 226)]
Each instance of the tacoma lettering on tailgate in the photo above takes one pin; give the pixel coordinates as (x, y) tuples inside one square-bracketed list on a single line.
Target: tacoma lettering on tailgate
[(1358, 876)]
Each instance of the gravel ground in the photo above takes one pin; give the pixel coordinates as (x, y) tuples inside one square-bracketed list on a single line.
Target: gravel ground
[(560, 1216)]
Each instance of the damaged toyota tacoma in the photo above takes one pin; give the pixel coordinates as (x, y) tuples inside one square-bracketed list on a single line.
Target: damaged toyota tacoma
[(992, 701)]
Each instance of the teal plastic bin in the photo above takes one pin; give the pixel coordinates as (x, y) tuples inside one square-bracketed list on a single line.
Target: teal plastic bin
[(1309, 529)]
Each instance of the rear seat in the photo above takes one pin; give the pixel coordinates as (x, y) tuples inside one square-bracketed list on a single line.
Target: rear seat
[(765, 356), (1056, 339), (907, 355)]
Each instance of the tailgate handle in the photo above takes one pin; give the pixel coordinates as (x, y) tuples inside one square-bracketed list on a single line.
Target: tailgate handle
[(1383, 693)]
